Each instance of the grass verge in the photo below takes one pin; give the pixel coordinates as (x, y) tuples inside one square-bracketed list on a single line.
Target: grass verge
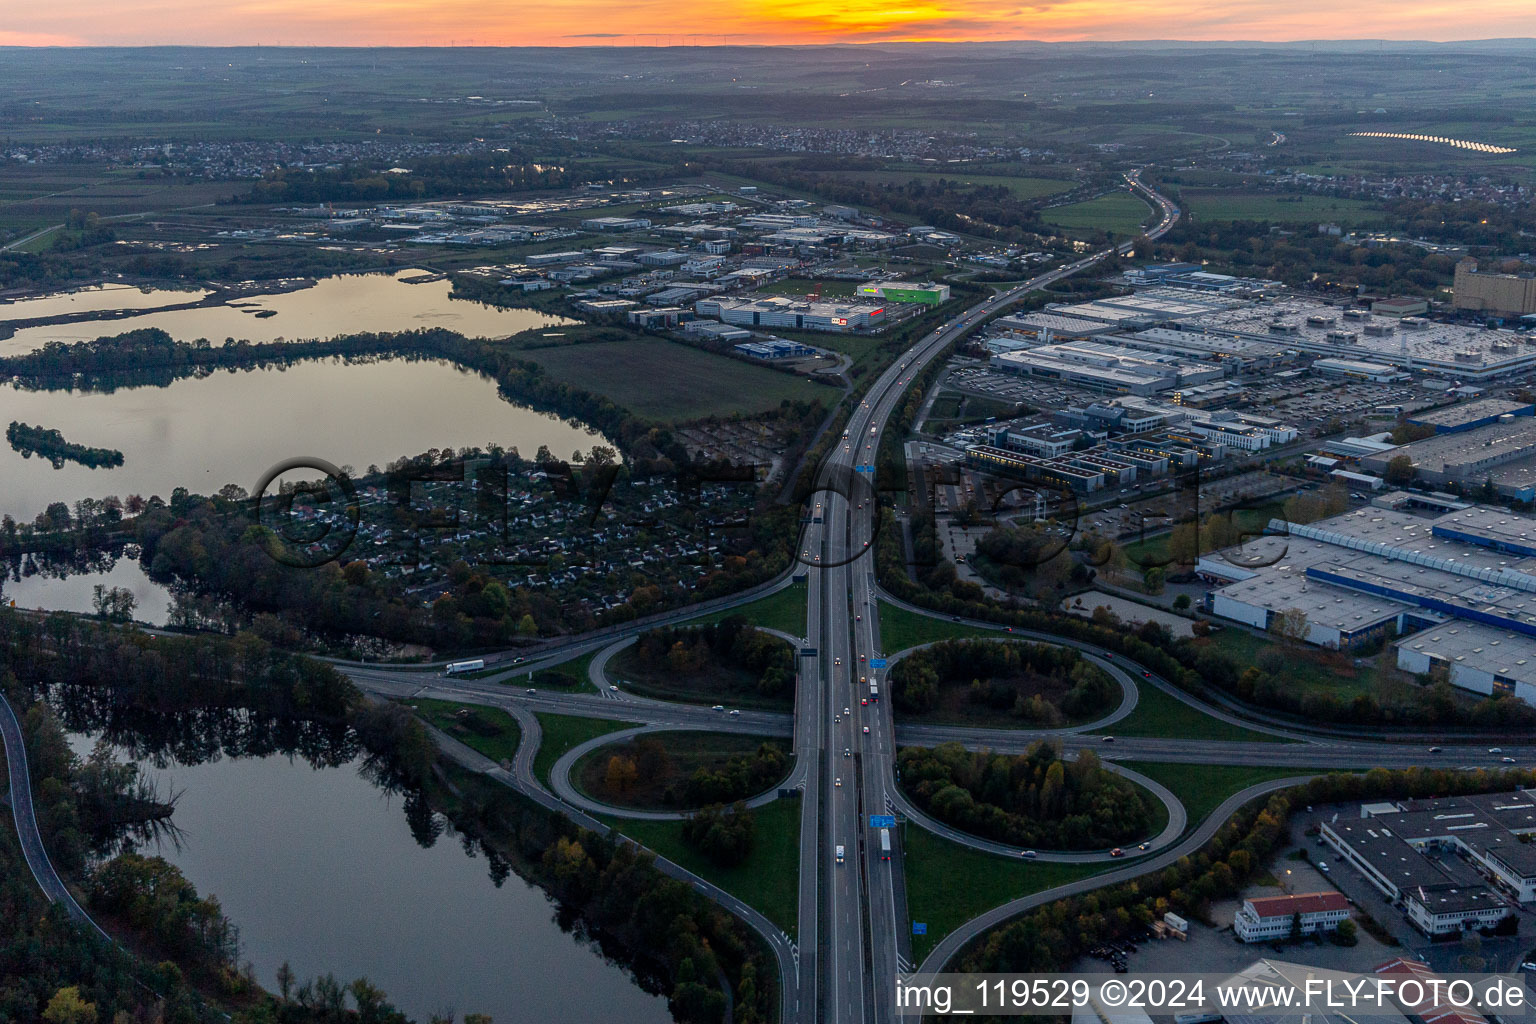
[(1161, 714), (490, 731), (901, 629), (768, 880), (783, 610), (562, 732), (1202, 787), (948, 884)]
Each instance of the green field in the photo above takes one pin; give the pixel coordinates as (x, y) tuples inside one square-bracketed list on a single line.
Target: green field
[(1120, 212), (490, 731), (568, 675), (562, 732), (802, 286), (948, 884), (1228, 204), (1024, 188), (769, 879), (1202, 787), (900, 629), (1161, 714), (667, 382), (1315, 670), (783, 610)]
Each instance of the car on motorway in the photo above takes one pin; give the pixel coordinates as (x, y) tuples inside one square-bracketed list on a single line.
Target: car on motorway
[(858, 618), (1434, 750), (1028, 854), (613, 686), (1146, 675), (532, 690), (839, 853), (838, 782), (1117, 852), (1106, 739), (847, 711), (1507, 760), (1495, 750), (837, 661), (863, 657), (847, 752), (864, 700), (1143, 846), (735, 711), (718, 707)]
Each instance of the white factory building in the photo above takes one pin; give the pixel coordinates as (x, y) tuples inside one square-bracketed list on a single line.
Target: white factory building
[(779, 311), (1106, 366)]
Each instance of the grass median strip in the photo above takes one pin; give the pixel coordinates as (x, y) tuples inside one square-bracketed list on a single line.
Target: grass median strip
[(768, 880)]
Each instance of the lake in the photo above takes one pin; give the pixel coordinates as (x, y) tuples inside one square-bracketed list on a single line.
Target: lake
[(319, 868), (93, 299), (231, 427), (348, 304), (54, 590)]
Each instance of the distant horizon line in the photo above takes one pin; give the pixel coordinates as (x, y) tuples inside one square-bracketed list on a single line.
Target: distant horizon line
[(616, 44)]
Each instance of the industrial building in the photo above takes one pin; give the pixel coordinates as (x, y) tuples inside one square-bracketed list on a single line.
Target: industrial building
[(1408, 343), (1453, 419), (1358, 369), (1105, 366), (716, 331), (1086, 471), (775, 348), (928, 294), (779, 311), (1502, 452), (615, 223), (1503, 294), (1459, 588), (1455, 864)]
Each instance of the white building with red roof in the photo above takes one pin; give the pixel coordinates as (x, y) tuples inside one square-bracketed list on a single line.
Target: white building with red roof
[(1265, 918)]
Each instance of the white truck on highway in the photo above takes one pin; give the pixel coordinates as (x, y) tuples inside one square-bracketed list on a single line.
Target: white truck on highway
[(454, 668)]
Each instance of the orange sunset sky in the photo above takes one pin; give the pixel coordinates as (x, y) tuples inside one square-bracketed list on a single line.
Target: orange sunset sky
[(662, 22)]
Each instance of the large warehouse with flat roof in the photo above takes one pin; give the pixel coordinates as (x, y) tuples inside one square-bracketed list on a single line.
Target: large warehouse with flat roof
[(1459, 588)]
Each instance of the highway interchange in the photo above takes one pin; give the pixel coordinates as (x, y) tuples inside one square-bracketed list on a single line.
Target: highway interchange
[(853, 931)]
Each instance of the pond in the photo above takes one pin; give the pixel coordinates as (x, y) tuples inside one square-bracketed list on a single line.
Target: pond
[(348, 304), (319, 868), (232, 426)]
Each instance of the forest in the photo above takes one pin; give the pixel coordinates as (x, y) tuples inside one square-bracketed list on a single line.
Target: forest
[(731, 643), (1032, 799), (1042, 684)]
